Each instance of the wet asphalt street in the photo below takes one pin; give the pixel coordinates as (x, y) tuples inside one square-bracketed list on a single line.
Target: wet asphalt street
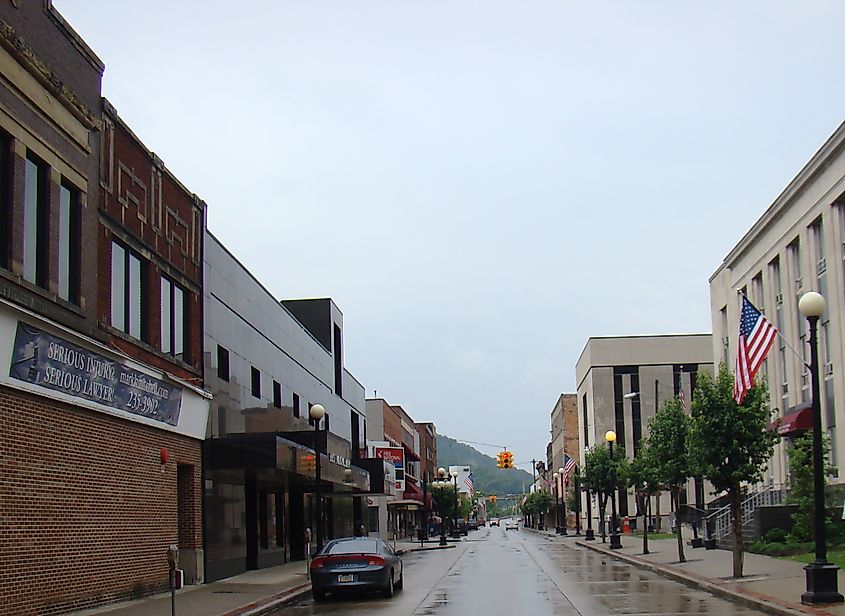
[(519, 572)]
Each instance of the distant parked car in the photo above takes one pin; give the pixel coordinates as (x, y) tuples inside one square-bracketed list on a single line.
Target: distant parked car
[(356, 563), (494, 522), (472, 524), (512, 525)]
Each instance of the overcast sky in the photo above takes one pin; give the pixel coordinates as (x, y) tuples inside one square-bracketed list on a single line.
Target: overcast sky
[(480, 186)]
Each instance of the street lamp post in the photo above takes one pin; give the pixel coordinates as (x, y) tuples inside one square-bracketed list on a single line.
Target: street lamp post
[(316, 412), (556, 476), (589, 534), (441, 485), (455, 532), (615, 542), (562, 502), (821, 575)]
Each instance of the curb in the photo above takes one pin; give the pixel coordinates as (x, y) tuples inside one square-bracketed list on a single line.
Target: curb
[(432, 547), (766, 603), (274, 602)]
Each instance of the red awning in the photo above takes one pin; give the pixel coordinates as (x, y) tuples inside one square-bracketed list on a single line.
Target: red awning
[(794, 422), (409, 454), (412, 492)]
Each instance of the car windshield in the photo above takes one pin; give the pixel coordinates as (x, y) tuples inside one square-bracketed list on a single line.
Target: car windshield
[(353, 546)]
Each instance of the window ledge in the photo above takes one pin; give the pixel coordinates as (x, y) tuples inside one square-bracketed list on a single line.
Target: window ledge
[(147, 347), (41, 292)]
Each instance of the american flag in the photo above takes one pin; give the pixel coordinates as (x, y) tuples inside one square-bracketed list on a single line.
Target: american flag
[(756, 336), (469, 484), (683, 398), (568, 468)]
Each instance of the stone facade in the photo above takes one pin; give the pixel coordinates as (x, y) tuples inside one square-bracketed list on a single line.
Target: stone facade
[(797, 245), (621, 382)]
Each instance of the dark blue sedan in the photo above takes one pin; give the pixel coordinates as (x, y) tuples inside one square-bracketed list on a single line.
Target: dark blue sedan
[(356, 563)]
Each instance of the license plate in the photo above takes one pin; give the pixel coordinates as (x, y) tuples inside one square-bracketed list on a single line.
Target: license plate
[(345, 578)]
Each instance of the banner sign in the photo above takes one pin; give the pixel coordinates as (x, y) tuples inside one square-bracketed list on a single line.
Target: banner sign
[(49, 361), (395, 456)]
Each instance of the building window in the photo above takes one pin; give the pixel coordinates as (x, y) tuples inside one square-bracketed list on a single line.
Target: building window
[(5, 198), (69, 243), (256, 382), (277, 394), (35, 221), (222, 363), (296, 411), (125, 290), (338, 361), (173, 330), (586, 421)]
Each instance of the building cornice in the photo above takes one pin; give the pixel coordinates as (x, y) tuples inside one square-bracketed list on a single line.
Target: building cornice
[(35, 66), (815, 166)]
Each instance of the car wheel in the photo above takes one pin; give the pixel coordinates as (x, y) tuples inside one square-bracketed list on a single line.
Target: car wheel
[(319, 595), (400, 584), (388, 591)]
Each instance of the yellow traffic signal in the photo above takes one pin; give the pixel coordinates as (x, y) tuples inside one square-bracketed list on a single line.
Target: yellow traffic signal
[(500, 459), (507, 459), (493, 498)]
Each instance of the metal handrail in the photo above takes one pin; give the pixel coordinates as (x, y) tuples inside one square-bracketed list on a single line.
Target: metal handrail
[(720, 523)]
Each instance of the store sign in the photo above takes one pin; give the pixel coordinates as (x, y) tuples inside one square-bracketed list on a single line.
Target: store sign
[(54, 363), (395, 456)]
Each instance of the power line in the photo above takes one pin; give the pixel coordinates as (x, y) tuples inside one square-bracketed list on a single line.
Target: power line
[(484, 444)]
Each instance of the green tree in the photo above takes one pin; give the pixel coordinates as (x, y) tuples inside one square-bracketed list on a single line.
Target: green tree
[(604, 475), (644, 478), (445, 500), (668, 431), (573, 500), (728, 443), (465, 508), (537, 503), (802, 489)]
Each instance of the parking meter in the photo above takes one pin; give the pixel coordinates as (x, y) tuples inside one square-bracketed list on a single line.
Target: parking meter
[(308, 552), (173, 556)]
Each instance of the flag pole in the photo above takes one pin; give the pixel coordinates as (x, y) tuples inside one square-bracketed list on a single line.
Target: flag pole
[(780, 335)]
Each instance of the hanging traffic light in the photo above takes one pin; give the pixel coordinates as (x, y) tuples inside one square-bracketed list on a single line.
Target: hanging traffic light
[(493, 498), (500, 459), (507, 459)]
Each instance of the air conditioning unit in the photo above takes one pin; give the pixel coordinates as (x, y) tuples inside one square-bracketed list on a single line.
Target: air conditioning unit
[(828, 369), (779, 298), (784, 388), (725, 341), (821, 266), (799, 282)]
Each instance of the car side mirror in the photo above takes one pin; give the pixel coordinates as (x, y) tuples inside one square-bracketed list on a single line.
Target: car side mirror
[(400, 552)]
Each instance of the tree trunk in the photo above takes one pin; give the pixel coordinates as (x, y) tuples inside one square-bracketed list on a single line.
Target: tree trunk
[(657, 524), (676, 497), (736, 512), (602, 508)]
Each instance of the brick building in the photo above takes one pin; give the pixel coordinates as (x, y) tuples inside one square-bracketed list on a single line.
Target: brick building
[(100, 430)]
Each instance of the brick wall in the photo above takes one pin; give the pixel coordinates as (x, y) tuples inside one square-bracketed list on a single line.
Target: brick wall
[(571, 441), (146, 208), (86, 508)]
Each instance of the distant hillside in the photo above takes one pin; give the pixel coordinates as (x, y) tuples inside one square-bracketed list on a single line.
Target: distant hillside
[(486, 476)]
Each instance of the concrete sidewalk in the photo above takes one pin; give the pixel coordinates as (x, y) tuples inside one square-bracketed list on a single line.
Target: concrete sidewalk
[(249, 594), (772, 585)]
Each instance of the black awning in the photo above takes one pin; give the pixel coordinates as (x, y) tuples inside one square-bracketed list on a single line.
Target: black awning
[(273, 450)]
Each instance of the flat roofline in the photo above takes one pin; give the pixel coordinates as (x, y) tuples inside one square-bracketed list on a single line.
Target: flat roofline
[(628, 336), (635, 336)]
